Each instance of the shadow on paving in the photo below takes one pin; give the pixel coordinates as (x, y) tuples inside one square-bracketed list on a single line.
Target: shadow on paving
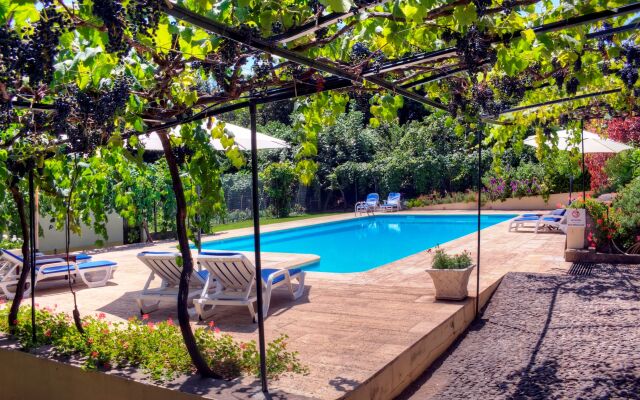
[(544, 337)]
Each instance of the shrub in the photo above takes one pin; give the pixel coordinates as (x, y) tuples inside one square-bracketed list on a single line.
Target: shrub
[(157, 348), (442, 260), (627, 213), (604, 226), (279, 181)]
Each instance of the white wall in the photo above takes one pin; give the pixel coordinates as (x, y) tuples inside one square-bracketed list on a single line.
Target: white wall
[(55, 240)]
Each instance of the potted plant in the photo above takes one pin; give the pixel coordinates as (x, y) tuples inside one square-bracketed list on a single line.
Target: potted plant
[(450, 274)]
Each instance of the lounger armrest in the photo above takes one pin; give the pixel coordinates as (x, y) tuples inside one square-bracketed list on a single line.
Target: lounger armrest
[(272, 276)]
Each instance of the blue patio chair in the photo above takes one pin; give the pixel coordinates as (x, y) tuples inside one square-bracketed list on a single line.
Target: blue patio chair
[(370, 205)]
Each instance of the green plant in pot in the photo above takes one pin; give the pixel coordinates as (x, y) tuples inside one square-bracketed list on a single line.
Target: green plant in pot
[(450, 274)]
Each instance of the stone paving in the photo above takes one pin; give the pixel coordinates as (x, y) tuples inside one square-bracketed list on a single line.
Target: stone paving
[(346, 327), (547, 337)]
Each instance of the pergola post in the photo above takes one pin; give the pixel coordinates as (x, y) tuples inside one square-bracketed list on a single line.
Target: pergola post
[(584, 190), (32, 251), (479, 140), (256, 239)]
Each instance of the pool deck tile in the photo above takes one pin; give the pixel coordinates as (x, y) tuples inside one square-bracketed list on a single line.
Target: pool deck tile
[(346, 327)]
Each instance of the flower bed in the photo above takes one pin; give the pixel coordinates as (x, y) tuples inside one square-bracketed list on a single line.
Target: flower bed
[(156, 348)]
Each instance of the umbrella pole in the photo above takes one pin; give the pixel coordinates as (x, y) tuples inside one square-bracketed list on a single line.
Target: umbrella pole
[(584, 190), (570, 188), (256, 238)]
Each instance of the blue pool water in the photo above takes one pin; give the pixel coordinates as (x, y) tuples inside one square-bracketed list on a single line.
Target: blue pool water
[(365, 243)]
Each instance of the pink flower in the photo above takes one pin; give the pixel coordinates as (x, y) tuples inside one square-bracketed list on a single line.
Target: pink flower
[(105, 331), (145, 317), (151, 326), (101, 316), (90, 341), (47, 333), (170, 322), (211, 324), (217, 330), (243, 346)]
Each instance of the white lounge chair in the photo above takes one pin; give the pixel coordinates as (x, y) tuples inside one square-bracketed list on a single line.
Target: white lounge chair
[(524, 221), (370, 205), (236, 276), (163, 264), (92, 273), (555, 221), (392, 203)]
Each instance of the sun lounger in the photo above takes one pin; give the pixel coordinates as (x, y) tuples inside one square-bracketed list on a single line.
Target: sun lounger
[(370, 205), (392, 203), (236, 277), (92, 273), (163, 264), (539, 221)]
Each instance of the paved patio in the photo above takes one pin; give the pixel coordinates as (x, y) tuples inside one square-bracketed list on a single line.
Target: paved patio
[(373, 331)]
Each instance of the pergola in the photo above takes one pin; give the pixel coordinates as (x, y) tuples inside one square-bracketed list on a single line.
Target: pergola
[(339, 77)]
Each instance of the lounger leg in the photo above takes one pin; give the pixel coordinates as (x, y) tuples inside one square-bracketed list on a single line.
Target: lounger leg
[(97, 283), (253, 312), (300, 290), (203, 310), (146, 309)]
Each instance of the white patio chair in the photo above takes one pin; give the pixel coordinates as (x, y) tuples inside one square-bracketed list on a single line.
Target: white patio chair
[(236, 276)]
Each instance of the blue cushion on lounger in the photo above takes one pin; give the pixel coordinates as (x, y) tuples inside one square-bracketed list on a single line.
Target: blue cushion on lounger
[(267, 272), (155, 252), (219, 253), (38, 262), (559, 211), (531, 218), (204, 274), (88, 265), (82, 256), (551, 218)]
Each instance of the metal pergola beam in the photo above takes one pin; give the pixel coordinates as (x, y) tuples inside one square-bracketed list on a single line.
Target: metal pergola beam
[(322, 22), (269, 47), (562, 100)]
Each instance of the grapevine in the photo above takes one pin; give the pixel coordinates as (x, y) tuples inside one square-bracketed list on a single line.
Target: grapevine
[(113, 15)]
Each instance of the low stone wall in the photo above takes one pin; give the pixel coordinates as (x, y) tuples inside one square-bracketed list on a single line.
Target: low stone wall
[(586, 256), (525, 203), (393, 379)]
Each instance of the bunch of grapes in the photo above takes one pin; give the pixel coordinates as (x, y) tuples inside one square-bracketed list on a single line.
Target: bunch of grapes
[(144, 16), (482, 5), (359, 52), (10, 45), (228, 51), (276, 27), (6, 114), (87, 118), (572, 85), (629, 75), (474, 48), (113, 15), (577, 65), (321, 33), (631, 52), (511, 89), (483, 101), (315, 6), (559, 75), (563, 120), (35, 55)]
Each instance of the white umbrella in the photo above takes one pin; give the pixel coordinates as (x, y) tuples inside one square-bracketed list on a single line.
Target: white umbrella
[(590, 143), (593, 143), (241, 137)]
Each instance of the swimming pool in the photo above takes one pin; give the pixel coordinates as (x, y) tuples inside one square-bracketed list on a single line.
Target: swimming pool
[(362, 244)]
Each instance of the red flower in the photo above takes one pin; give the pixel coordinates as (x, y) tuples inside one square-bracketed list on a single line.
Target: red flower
[(170, 322), (211, 324), (47, 333), (145, 317), (90, 340), (101, 316), (94, 354), (599, 221), (107, 365), (609, 237), (105, 331)]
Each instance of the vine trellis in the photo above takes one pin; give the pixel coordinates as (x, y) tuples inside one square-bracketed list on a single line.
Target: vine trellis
[(88, 77)]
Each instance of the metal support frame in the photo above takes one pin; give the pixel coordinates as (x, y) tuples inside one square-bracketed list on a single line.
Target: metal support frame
[(479, 140), (256, 239), (584, 190)]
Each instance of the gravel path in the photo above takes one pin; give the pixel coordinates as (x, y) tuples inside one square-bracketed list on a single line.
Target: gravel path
[(547, 337)]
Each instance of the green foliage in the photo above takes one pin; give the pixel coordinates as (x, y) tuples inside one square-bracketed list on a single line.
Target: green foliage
[(435, 199), (442, 260), (156, 348), (622, 169), (279, 180), (627, 213), (604, 225)]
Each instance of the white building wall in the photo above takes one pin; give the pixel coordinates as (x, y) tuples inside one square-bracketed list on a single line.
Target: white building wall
[(54, 240)]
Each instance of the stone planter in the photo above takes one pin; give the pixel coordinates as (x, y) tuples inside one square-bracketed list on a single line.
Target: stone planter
[(451, 284)]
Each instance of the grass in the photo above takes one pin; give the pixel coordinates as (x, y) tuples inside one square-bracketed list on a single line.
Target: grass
[(266, 221)]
